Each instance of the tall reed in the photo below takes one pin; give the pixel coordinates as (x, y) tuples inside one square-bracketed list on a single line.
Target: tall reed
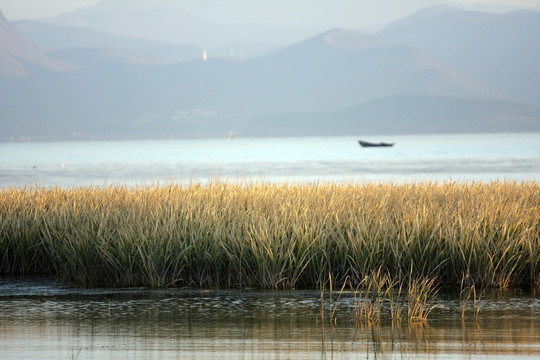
[(268, 235)]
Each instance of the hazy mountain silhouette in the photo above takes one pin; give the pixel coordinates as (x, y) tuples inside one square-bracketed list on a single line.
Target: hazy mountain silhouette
[(170, 25), (96, 57), (341, 68), (404, 114), (502, 51), (54, 37), (384, 89), (211, 23), (16, 52), (203, 23)]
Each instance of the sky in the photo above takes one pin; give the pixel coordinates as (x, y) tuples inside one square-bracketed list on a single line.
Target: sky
[(30, 9)]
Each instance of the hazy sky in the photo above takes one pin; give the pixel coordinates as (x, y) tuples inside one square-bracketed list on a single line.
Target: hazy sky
[(26, 9)]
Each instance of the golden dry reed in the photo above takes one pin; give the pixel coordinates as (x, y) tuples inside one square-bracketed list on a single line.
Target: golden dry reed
[(278, 236)]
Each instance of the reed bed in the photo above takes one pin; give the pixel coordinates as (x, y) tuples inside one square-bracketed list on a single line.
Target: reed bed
[(275, 236)]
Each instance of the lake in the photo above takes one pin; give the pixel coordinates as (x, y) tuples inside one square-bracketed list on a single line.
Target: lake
[(45, 319), (463, 157)]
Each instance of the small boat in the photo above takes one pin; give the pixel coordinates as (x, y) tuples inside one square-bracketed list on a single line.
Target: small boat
[(370, 144)]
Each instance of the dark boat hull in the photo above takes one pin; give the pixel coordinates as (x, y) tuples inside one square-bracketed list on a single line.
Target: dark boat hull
[(370, 144)]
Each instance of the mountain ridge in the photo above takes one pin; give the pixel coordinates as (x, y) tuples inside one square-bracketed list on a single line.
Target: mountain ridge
[(15, 50), (403, 115), (112, 96), (500, 50), (56, 37)]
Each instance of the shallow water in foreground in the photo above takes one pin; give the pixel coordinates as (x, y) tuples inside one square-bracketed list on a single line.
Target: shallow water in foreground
[(41, 318)]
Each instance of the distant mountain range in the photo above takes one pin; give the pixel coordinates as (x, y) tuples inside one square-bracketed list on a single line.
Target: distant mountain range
[(203, 22), (405, 114), (55, 37), (93, 85), (15, 51), (501, 51)]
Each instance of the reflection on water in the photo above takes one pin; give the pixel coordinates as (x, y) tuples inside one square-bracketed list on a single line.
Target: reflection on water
[(47, 320)]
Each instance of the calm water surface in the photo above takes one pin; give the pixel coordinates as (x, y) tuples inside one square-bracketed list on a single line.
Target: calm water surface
[(43, 319), (482, 157)]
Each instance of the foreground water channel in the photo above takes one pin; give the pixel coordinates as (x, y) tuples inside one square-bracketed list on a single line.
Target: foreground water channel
[(46, 319)]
